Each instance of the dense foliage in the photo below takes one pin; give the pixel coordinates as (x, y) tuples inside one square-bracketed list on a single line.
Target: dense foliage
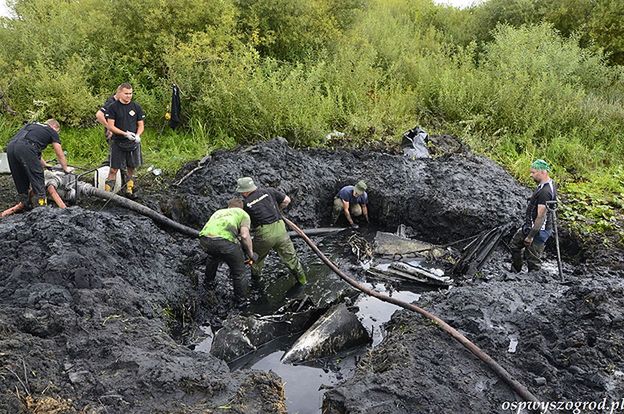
[(515, 79)]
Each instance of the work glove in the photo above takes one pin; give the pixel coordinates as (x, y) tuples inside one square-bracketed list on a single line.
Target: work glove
[(137, 138), (251, 260), (354, 226), (130, 135), (68, 170)]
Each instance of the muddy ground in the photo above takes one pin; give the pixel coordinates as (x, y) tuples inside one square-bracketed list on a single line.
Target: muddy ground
[(96, 303)]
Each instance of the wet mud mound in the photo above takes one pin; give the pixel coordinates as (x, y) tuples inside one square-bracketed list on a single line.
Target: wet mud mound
[(563, 341), (445, 198), (87, 301)]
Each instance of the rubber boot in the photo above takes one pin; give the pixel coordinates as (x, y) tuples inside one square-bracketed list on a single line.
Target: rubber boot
[(130, 187), (25, 200), (109, 185)]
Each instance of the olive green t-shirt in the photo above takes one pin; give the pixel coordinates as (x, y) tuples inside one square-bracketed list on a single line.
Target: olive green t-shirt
[(226, 223)]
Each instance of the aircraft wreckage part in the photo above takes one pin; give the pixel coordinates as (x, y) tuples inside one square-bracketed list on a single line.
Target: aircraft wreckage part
[(391, 244), (315, 232), (520, 389), (477, 253), (416, 274), (337, 330), (241, 335)]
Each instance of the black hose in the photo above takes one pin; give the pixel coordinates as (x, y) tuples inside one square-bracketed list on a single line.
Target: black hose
[(520, 389), (88, 189)]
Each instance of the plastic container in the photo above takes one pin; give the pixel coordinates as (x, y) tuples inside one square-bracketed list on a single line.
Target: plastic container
[(4, 164), (101, 174)]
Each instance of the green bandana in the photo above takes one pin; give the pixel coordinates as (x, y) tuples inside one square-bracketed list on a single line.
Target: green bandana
[(540, 165)]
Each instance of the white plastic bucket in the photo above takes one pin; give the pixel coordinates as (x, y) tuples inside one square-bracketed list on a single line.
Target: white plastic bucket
[(4, 164), (101, 175)]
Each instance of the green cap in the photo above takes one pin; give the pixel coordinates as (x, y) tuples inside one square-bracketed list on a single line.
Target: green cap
[(245, 185), (540, 165), (360, 187)]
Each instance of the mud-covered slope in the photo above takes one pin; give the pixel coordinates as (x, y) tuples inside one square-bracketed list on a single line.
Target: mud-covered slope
[(566, 341), (85, 304), (443, 199)]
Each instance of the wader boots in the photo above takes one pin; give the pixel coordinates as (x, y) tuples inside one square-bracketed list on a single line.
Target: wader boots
[(130, 186), (109, 185)]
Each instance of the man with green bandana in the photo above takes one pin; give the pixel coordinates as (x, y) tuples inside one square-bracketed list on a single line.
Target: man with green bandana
[(263, 206), (219, 238), (538, 223)]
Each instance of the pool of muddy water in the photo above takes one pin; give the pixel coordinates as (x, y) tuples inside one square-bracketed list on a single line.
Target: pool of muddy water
[(305, 384)]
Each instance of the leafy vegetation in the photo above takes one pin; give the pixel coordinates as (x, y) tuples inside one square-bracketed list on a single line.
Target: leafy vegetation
[(515, 79)]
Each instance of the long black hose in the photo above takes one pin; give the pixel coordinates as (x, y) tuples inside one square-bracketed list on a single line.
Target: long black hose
[(89, 190), (520, 389)]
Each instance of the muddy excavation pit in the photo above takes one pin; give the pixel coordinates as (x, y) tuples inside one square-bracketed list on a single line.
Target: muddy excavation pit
[(103, 311)]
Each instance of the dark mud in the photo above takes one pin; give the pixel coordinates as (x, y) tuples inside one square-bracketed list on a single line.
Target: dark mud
[(87, 305), (564, 341), (443, 199), (97, 308)]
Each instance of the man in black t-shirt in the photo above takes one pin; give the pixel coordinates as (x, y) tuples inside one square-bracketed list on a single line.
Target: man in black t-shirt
[(125, 119), (538, 221), (100, 116), (263, 206), (24, 156)]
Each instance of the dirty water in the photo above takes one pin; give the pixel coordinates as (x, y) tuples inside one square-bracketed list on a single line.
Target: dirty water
[(305, 384)]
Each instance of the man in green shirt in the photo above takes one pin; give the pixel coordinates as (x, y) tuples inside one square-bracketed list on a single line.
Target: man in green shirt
[(220, 239)]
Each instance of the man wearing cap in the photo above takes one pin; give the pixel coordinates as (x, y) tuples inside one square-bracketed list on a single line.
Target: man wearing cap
[(351, 200), (263, 206), (538, 223), (219, 238)]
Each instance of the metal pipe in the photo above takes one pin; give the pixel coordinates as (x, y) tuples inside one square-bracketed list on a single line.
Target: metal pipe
[(520, 389)]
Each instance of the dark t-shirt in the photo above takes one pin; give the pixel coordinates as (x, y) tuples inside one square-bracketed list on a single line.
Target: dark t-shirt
[(262, 206), (346, 194), (543, 193), (126, 117), (40, 135)]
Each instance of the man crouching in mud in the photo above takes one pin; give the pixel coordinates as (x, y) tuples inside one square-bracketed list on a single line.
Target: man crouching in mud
[(352, 201), (263, 206), (60, 187), (538, 222), (219, 238)]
